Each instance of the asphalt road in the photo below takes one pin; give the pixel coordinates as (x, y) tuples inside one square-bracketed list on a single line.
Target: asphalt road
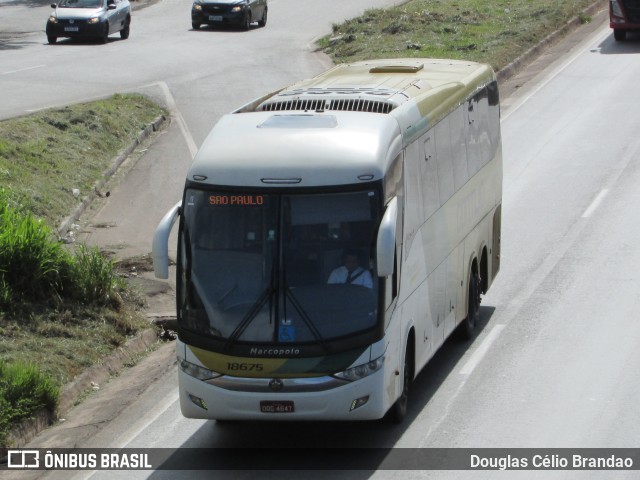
[(555, 362)]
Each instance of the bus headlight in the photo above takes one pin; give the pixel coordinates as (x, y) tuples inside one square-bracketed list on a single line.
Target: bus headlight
[(361, 371), (197, 371)]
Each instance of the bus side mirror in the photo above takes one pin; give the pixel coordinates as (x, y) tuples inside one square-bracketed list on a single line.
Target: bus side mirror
[(160, 247), (386, 245)]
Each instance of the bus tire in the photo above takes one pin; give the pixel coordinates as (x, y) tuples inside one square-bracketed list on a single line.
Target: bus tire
[(398, 411), (468, 325), (619, 34)]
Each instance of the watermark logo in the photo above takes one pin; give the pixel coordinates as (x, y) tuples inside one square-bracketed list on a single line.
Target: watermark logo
[(23, 459)]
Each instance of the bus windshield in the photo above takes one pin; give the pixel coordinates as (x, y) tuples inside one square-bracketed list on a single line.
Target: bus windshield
[(278, 268)]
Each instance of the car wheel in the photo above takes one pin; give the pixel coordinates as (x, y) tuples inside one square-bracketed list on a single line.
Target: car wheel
[(105, 34), (263, 21), (51, 39), (246, 22), (195, 26), (124, 33)]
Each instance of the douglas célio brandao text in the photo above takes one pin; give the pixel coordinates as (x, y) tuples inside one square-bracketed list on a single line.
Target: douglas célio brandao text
[(551, 462)]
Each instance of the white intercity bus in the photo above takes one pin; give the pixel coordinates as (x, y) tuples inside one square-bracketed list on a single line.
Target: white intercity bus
[(332, 235)]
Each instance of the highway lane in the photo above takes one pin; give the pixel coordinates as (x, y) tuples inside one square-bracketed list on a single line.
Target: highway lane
[(555, 363)]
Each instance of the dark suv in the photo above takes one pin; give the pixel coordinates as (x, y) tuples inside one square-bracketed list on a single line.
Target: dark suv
[(240, 13)]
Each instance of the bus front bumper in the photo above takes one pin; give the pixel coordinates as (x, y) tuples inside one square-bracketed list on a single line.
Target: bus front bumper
[(199, 399)]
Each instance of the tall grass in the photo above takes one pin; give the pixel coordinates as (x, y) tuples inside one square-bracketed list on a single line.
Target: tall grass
[(32, 265), (36, 267), (94, 278), (24, 390)]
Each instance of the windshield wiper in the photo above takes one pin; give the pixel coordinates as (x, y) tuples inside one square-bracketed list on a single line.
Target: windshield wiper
[(305, 317), (266, 295)]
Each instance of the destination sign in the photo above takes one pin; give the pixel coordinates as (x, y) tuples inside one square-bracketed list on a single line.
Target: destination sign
[(249, 200)]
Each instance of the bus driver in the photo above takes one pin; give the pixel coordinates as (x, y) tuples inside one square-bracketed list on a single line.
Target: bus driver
[(351, 272)]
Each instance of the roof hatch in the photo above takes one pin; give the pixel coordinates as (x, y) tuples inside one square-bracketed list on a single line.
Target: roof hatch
[(397, 68)]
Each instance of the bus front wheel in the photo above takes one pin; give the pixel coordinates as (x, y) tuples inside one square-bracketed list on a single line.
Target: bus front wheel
[(398, 411), (619, 34)]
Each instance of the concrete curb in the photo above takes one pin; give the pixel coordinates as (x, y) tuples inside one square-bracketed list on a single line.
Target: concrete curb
[(90, 379), (107, 174)]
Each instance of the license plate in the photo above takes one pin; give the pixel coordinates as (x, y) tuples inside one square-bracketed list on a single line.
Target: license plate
[(215, 18), (71, 29), (282, 406)]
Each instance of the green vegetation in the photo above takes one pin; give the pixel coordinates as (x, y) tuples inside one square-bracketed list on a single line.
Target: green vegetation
[(45, 156), (62, 309), (490, 31), (23, 390)]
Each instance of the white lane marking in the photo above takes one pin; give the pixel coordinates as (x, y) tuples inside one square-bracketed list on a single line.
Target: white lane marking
[(137, 428), (482, 350), (596, 202), (22, 69), (182, 124), (142, 424)]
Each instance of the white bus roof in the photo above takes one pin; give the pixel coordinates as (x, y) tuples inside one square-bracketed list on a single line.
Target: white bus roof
[(344, 126)]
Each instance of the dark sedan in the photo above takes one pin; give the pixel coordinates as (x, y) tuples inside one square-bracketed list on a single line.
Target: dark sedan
[(239, 13), (89, 19)]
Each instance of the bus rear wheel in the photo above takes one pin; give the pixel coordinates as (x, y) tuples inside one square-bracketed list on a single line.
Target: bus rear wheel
[(468, 325)]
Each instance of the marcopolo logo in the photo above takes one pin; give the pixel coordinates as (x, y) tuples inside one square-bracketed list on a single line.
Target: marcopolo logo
[(23, 459), (274, 352)]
